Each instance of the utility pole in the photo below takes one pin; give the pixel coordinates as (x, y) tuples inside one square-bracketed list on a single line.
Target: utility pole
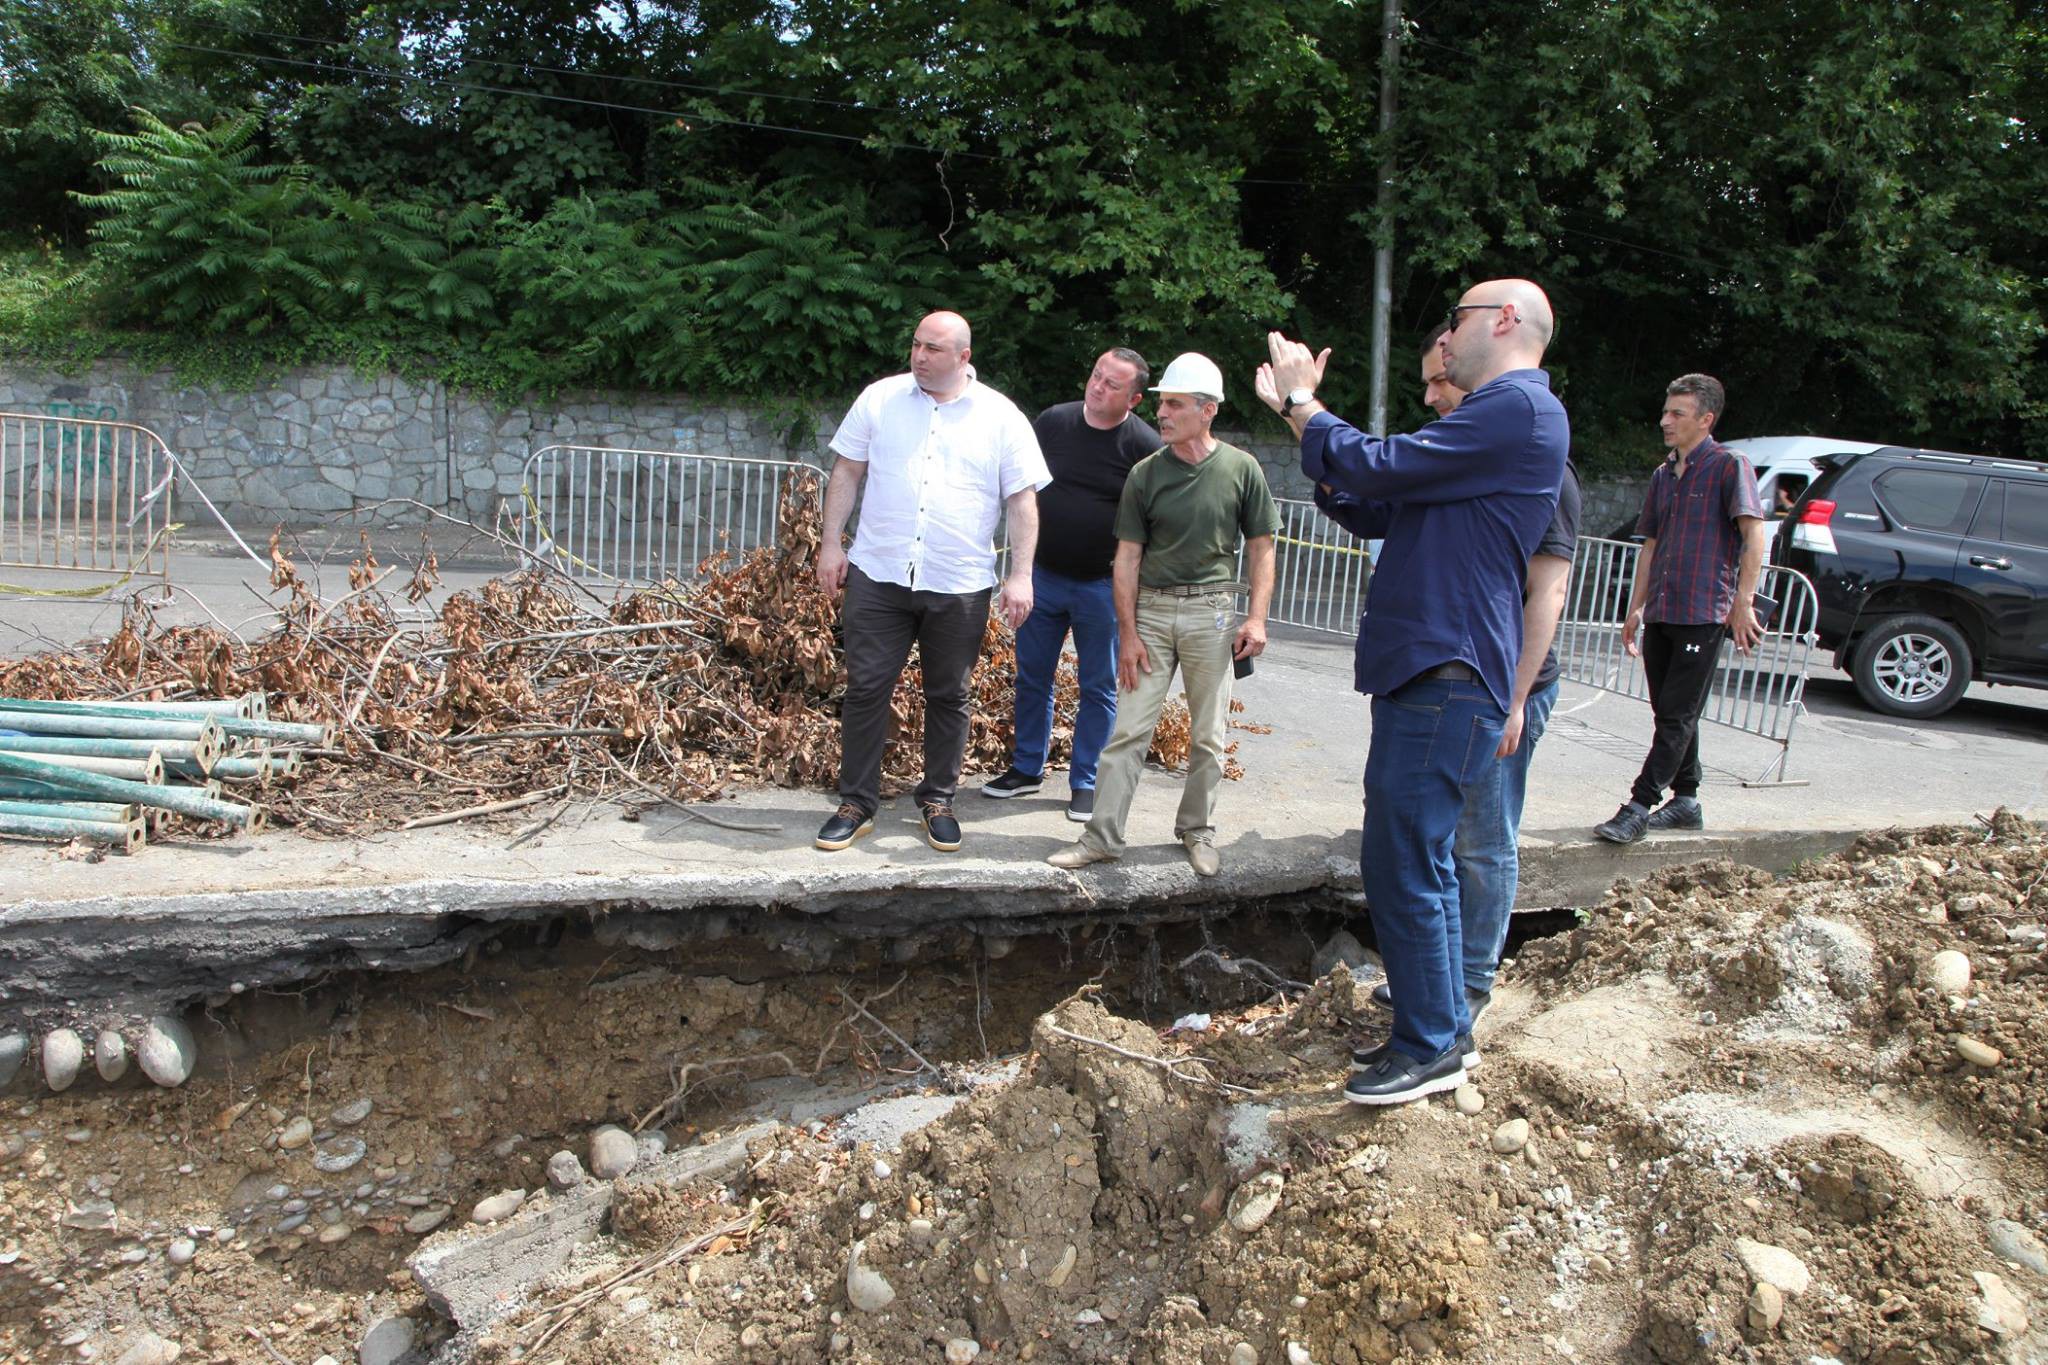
[(1383, 254)]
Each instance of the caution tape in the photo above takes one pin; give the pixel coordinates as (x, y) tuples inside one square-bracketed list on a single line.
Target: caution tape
[(1322, 545), (98, 589), (547, 542)]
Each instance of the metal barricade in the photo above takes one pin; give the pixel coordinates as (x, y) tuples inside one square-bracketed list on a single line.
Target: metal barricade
[(1759, 693), (84, 496), (641, 516), (1320, 571)]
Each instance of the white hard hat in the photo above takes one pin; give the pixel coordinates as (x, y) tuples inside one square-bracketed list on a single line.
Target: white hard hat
[(1192, 372)]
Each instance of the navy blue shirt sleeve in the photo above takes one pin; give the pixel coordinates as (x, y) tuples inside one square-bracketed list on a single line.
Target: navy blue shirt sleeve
[(1366, 520), (1453, 459)]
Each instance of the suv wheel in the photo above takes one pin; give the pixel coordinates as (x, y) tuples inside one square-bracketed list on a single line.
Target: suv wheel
[(1913, 666)]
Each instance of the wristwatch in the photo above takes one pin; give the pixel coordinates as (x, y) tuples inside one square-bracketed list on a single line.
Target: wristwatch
[(1295, 399)]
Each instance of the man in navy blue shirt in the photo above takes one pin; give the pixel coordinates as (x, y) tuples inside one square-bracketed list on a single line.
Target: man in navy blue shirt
[(1462, 505)]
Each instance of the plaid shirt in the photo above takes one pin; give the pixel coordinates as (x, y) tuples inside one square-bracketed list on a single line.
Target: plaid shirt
[(1694, 520)]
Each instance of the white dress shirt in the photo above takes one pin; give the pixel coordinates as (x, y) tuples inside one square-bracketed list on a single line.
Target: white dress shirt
[(937, 477)]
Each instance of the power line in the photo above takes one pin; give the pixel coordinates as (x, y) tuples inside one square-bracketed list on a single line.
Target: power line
[(553, 70), (682, 115)]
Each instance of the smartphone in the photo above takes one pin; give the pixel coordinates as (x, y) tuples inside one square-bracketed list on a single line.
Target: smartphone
[(1242, 667)]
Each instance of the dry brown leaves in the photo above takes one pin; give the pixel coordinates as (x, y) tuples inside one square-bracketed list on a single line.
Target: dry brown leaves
[(528, 684)]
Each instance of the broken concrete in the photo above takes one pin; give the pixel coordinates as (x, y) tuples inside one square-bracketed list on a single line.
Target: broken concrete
[(474, 1274)]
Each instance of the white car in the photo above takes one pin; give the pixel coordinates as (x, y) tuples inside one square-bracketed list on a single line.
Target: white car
[(1787, 465)]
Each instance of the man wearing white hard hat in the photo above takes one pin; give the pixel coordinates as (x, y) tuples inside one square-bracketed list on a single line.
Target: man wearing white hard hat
[(1184, 511)]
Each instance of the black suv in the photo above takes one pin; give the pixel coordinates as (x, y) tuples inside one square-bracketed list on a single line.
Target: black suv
[(1932, 572)]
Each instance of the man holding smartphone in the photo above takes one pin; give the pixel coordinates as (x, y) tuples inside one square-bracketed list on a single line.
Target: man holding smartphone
[(1184, 510)]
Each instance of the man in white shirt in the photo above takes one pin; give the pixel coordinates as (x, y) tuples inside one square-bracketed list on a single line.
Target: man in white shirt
[(943, 456)]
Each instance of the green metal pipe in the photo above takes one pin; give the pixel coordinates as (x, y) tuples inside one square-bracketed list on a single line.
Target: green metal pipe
[(149, 769), (182, 710), (180, 799), (279, 731), (237, 768), (111, 727), (84, 746), (104, 812), (127, 836)]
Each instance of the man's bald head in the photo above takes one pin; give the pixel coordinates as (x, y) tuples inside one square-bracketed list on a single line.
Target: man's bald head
[(938, 354), (953, 325), (1499, 325), (1532, 305)]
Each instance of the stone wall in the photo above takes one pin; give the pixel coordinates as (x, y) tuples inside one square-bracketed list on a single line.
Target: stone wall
[(326, 443)]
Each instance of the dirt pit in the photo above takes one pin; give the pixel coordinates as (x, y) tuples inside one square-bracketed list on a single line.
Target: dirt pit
[(1727, 1117)]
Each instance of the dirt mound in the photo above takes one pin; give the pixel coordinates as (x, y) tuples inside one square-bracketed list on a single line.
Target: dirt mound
[(1726, 1118)]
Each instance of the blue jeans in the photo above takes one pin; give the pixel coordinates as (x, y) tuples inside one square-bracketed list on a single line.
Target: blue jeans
[(1488, 861), (1432, 749), (1086, 606)]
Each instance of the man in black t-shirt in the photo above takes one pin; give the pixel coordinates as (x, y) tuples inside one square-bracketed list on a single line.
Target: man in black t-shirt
[(1090, 447)]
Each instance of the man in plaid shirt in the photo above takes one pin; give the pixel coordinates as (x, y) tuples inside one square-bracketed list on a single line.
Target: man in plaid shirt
[(1703, 547)]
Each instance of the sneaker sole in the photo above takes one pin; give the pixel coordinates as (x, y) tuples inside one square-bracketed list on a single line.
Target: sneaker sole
[(1417, 1091), (1078, 818), (834, 845), (992, 794), (1616, 838)]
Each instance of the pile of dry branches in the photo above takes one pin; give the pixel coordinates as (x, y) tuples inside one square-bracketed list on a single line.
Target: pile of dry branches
[(533, 688)]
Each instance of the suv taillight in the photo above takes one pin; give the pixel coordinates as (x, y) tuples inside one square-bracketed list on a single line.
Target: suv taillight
[(1811, 530)]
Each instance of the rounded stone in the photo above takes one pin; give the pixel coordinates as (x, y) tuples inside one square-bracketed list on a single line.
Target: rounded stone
[(150, 1349), (110, 1055), (1948, 971), (334, 1232), (387, 1343), (565, 1172), (1978, 1053), (1467, 1099), (340, 1156), (1766, 1306), (1511, 1136), (296, 1133), (1253, 1202), (182, 1251), (352, 1113), (425, 1221), (63, 1056), (13, 1052), (167, 1052), (1244, 1353), (498, 1207), (962, 1350), (1774, 1266), (867, 1289), (2017, 1243), (613, 1152)]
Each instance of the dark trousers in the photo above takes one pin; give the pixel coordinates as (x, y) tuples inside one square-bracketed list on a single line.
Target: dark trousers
[(880, 622), (1679, 664)]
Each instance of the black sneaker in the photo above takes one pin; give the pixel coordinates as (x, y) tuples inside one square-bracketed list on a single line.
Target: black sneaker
[(847, 824), (1365, 1058), (941, 830), (1395, 1079), (1011, 783), (1081, 805), (1680, 812), (1627, 825)]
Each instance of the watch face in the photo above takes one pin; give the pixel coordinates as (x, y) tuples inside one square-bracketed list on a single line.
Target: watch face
[(1299, 396)]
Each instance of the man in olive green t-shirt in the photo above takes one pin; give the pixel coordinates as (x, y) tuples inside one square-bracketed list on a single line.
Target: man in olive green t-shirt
[(1175, 581)]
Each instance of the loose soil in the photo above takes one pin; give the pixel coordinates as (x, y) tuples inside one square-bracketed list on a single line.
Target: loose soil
[(1712, 1058)]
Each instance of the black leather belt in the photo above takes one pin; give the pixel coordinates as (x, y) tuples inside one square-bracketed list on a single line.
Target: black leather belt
[(1189, 589), (1454, 671)]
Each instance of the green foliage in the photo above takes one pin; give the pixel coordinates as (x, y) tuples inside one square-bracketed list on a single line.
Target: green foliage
[(1832, 204), (200, 235)]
